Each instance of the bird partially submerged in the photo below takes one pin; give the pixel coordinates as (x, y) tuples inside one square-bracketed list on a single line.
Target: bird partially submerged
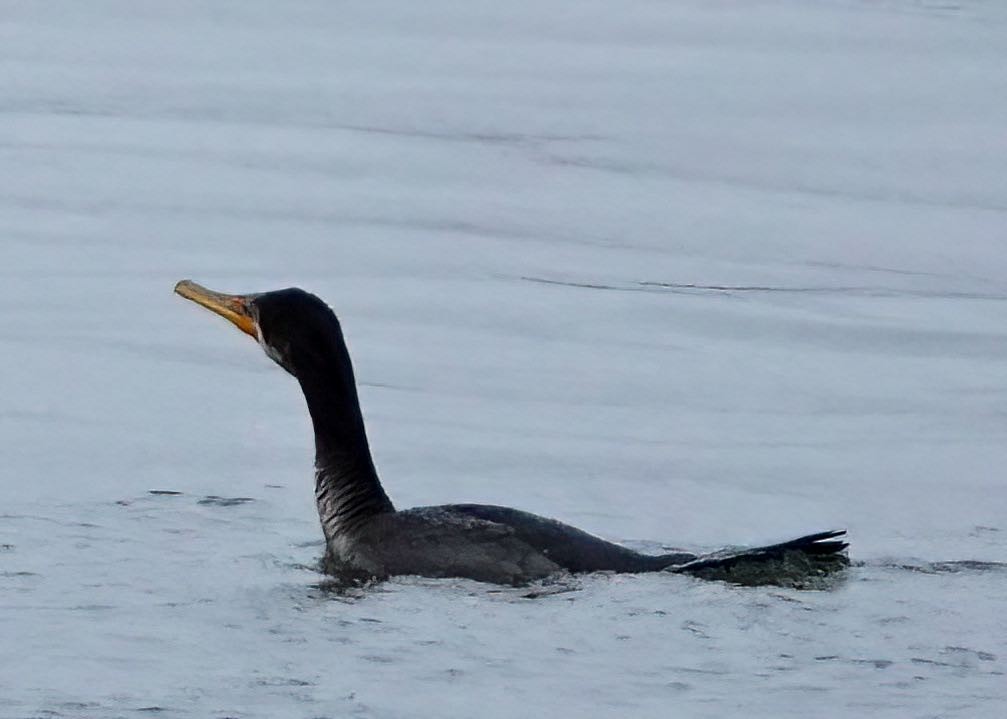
[(366, 537)]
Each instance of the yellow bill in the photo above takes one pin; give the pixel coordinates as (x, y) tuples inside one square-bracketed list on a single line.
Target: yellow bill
[(235, 308)]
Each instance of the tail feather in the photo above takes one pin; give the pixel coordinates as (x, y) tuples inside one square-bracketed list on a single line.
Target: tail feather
[(812, 543), (803, 562)]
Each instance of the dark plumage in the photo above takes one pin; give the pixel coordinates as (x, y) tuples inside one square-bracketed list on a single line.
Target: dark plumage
[(367, 537)]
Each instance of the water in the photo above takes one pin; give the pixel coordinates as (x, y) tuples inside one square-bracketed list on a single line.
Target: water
[(690, 273)]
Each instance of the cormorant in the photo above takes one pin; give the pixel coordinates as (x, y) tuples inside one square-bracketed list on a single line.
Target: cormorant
[(367, 537)]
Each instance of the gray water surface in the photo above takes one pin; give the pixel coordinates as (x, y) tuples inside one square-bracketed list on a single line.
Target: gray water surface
[(686, 273)]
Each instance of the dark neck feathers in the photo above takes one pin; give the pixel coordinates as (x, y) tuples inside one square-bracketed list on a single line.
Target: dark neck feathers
[(347, 489)]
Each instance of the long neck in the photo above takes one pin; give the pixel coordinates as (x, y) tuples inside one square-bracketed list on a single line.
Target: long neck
[(347, 489)]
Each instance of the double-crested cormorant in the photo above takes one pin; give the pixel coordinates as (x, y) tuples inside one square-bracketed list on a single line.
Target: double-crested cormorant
[(367, 537)]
